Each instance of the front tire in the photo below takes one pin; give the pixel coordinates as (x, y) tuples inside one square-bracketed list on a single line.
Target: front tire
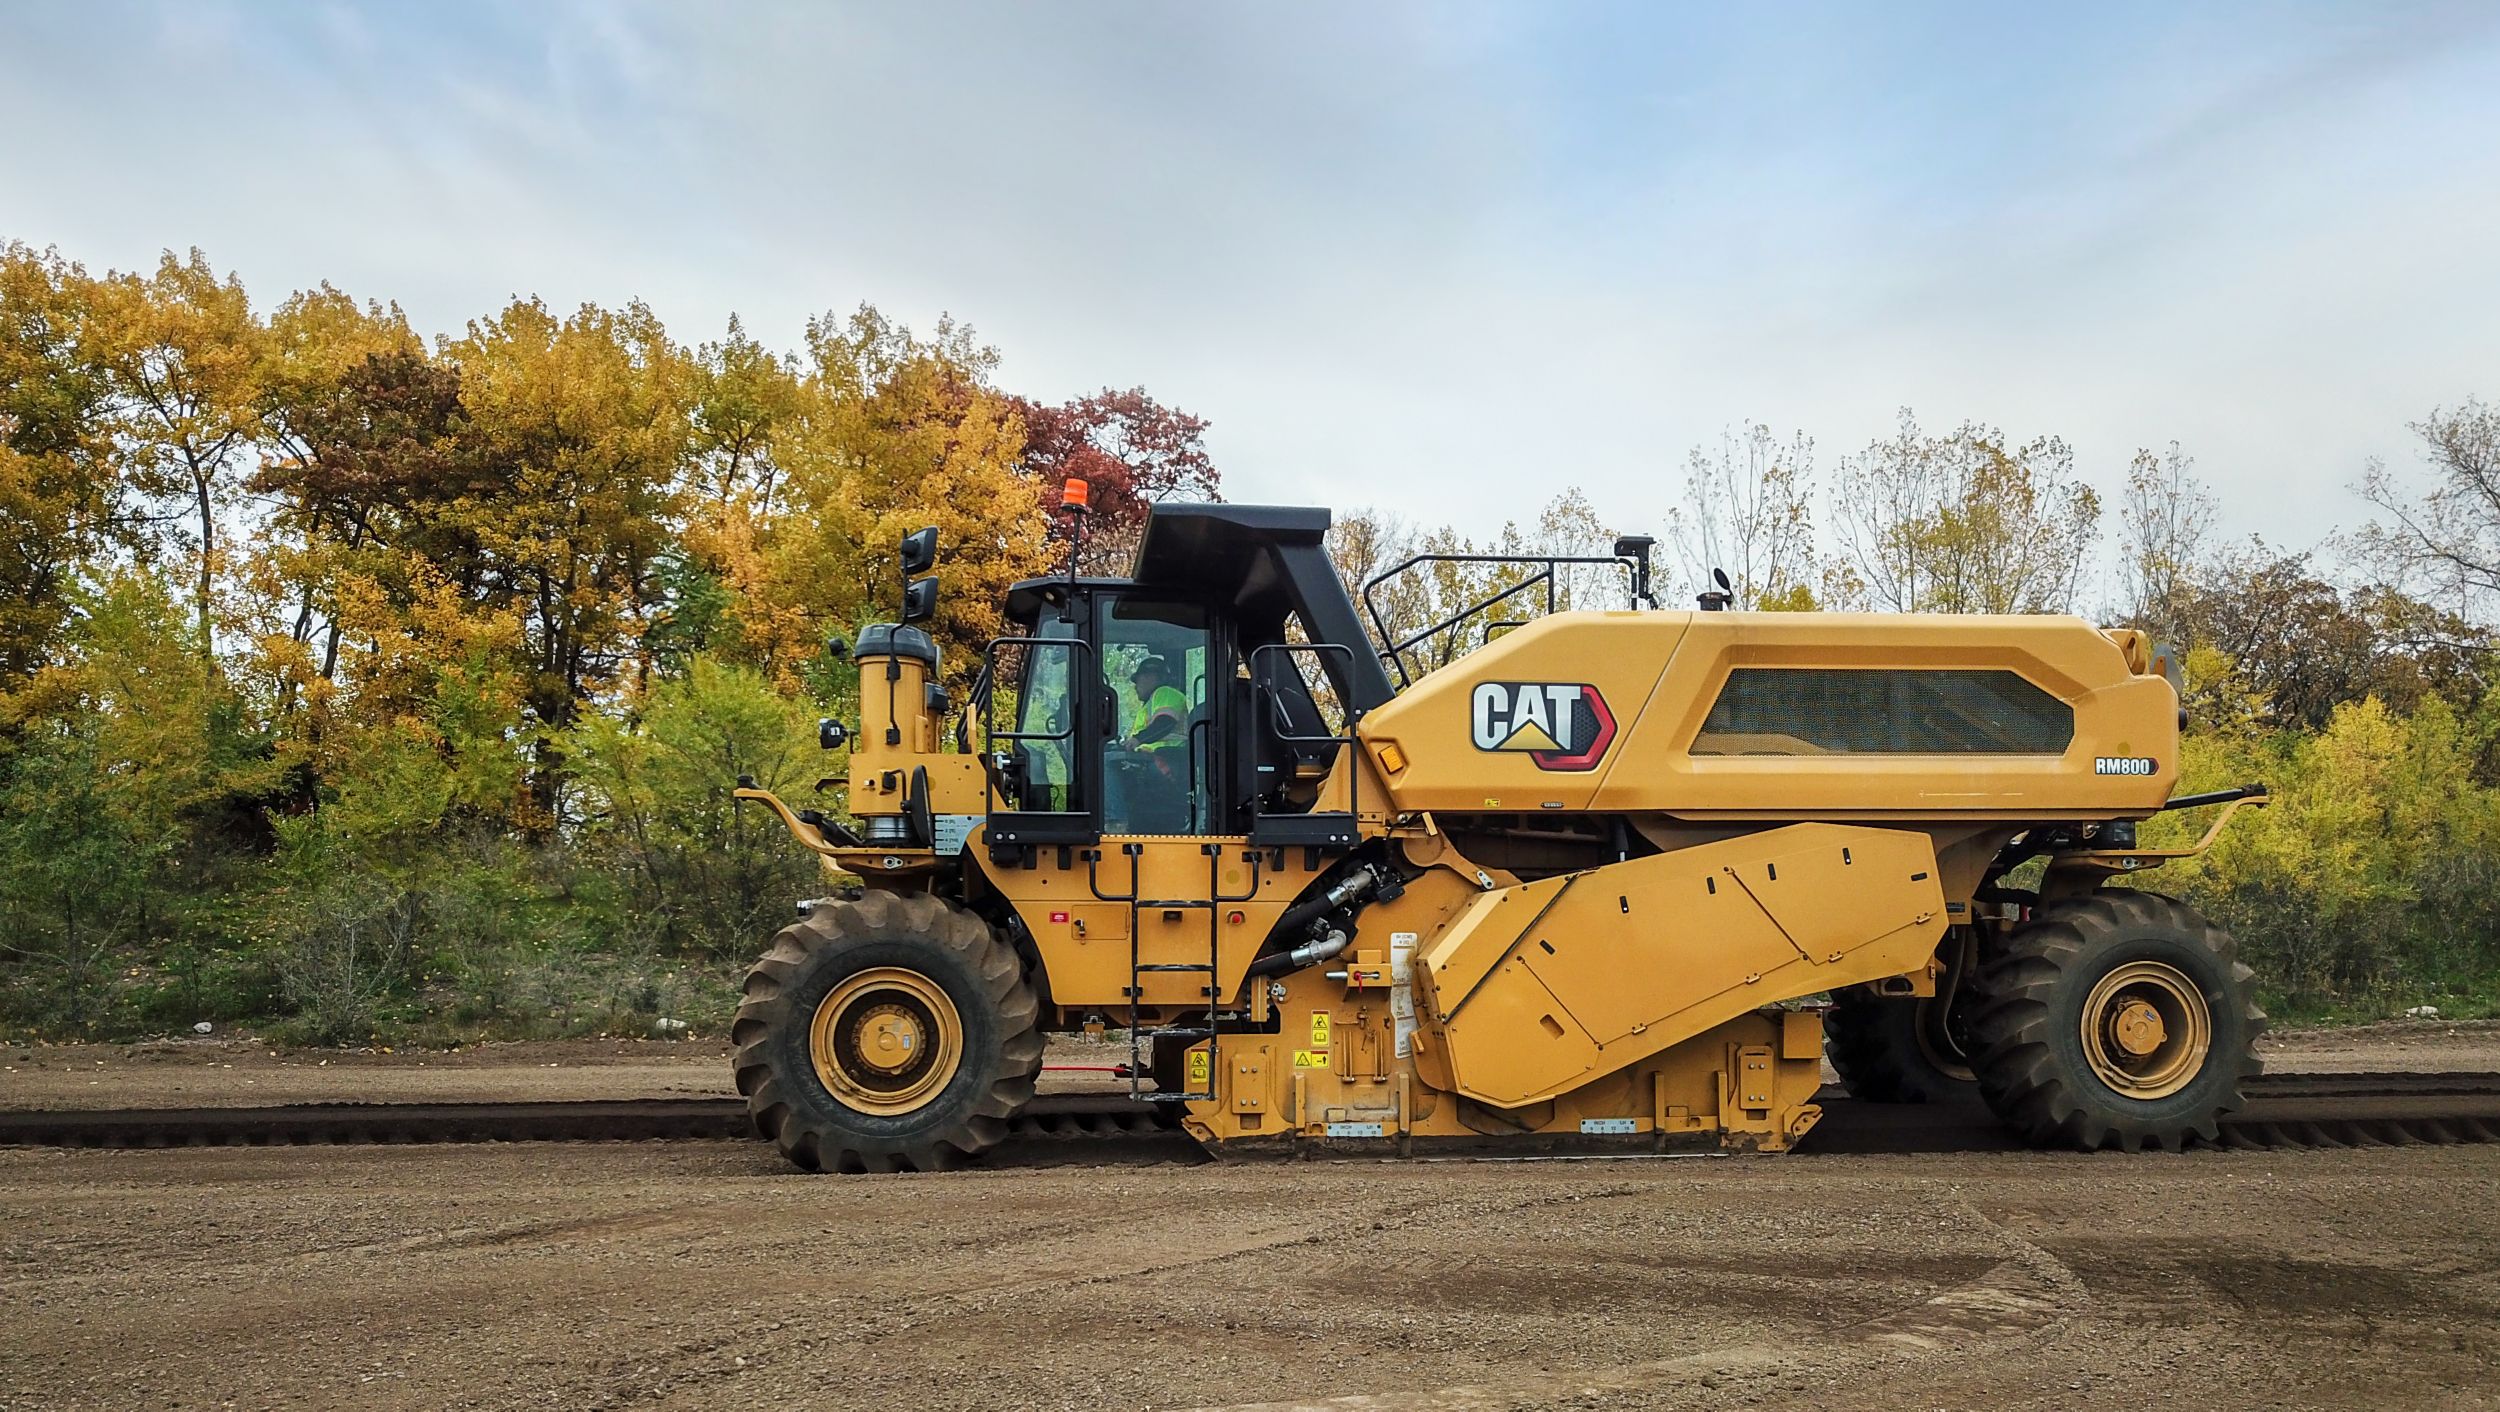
[(894, 1032), (2117, 1020)]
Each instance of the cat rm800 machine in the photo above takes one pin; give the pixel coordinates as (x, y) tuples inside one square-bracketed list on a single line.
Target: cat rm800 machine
[(1590, 882)]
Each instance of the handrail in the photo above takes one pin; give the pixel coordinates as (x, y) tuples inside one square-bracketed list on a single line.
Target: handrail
[(990, 734), (1345, 739), (1394, 653)]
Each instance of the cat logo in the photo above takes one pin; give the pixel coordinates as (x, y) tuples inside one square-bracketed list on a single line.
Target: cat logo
[(1559, 725)]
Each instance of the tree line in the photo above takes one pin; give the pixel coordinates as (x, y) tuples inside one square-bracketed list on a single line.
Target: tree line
[(363, 681), (355, 682)]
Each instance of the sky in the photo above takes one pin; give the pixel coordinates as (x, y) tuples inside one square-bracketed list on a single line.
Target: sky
[(1442, 260)]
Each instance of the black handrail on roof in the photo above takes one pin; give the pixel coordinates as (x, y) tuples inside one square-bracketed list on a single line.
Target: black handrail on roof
[(1394, 653)]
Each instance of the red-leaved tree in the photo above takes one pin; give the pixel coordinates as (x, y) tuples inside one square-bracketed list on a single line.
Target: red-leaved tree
[(1131, 451)]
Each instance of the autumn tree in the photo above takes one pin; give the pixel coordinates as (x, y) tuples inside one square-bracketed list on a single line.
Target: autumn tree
[(2300, 646), (1963, 523), (581, 425), (333, 414), (895, 431), (1748, 510), (184, 355), (64, 501), (1130, 450), (745, 396), (747, 403)]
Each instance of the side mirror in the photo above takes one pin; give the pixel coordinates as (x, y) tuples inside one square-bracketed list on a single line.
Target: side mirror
[(920, 600), (919, 551), (835, 647), (830, 734)]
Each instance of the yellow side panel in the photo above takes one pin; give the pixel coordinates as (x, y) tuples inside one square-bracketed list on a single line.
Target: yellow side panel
[(1505, 728), (1621, 699), (1084, 940), (1574, 977), (1516, 1037)]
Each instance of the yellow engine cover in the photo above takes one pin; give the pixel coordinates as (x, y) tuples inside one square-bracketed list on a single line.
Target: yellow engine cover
[(1535, 990)]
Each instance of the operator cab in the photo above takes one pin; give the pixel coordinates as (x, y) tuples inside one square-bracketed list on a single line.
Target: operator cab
[(1207, 694)]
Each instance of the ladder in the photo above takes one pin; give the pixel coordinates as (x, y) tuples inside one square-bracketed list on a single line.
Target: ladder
[(1142, 1036)]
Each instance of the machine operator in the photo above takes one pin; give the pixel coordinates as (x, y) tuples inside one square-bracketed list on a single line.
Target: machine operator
[(1159, 736)]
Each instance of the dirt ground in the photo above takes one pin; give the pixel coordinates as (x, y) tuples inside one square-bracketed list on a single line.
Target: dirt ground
[(219, 1071), (239, 1073), (704, 1275), (700, 1275)]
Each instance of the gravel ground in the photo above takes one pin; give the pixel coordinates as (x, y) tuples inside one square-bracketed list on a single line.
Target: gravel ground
[(224, 1072), (700, 1275), (218, 1073), (704, 1275)]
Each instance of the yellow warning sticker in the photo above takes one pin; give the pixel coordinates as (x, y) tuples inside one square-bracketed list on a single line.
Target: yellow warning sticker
[(1198, 1069), (1319, 1030), (1310, 1059)]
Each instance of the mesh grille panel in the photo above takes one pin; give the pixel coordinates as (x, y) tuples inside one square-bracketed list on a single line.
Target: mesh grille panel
[(1883, 711)]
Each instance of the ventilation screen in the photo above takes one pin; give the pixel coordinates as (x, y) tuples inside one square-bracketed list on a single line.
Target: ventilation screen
[(1835, 711)]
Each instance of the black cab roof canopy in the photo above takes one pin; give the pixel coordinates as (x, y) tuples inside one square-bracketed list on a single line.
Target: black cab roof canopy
[(1262, 562)]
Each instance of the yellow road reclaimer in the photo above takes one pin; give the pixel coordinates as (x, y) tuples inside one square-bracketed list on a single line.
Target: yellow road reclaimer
[(1584, 885)]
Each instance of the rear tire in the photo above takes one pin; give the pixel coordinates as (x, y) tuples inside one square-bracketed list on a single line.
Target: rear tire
[(2117, 1020), (1889, 1049), (891, 1033)]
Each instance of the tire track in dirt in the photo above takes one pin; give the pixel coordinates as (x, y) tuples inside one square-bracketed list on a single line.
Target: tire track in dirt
[(2026, 1293)]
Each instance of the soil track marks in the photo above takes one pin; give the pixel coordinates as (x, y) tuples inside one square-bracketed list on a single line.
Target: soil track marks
[(701, 1275)]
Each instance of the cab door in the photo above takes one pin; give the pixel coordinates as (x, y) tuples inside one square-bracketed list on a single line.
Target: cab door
[(1163, 674)]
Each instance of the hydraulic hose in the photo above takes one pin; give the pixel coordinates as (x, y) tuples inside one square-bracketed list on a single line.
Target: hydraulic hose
[(1311, 918), (1310, 953)]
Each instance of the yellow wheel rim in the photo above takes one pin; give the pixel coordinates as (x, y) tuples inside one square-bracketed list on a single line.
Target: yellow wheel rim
[(2146, 1030), (884, 1041)]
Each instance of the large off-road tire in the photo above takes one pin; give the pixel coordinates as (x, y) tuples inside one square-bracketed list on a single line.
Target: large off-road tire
[(1897, 1049), (893, 1032), (2118, 1020)]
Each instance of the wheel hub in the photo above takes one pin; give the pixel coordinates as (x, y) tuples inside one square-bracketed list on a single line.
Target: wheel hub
[(2139, 1028), (891, 1039), (886, 1040), (2147, 1029)]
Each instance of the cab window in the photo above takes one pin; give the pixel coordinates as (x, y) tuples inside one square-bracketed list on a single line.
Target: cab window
[(1045, 710), (1155, 661)]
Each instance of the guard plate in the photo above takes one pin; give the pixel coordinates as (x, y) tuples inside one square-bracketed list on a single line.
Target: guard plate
[(1356, 1130), (1610, 1125)]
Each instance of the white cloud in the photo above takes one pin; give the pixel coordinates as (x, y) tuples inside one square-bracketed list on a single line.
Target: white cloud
[(1443, 260)]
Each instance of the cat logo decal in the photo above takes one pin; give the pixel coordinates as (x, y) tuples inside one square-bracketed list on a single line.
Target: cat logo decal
[(1559, 725)]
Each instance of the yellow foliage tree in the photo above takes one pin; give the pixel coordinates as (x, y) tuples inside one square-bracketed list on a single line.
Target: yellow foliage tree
[(895, 432)]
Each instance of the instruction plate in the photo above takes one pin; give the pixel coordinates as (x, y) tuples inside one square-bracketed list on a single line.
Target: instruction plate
[(1356, 1130), (1610, 1125)]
